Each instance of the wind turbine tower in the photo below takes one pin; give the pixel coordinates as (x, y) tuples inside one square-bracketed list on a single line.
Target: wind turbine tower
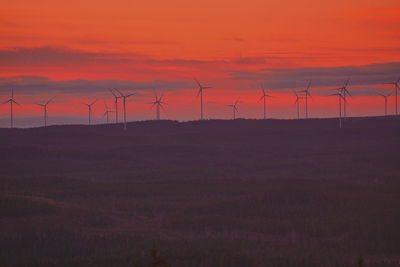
[(116, 104), (107, 112), (158, 103), (340, 97), (264, 97), (234, 108), (124, 97), (298, 104), (200, 93), (90, 110), (385, 97), (396, 89), (344, 92), (307, 94), (12, 102), (44, 106)]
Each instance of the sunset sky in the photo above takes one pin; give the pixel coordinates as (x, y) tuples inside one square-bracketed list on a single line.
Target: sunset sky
[(74, 51)]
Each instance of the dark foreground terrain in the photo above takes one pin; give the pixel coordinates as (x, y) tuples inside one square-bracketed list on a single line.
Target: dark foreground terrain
[(209, 193)]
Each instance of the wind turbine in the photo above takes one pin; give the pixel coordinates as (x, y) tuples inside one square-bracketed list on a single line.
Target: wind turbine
[(298, 104), (385, 96), (264, 98), (44, 106), (234, 108), (12, 102), (90, 110), (344, 92), (200, 93), (116, 104), (159, 105), (306, 93), (340, 97), (396, 88), (106, 113), (124, 97)]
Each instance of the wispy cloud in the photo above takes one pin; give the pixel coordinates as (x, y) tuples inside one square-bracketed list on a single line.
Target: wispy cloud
[(54, 55), (279, 78), (47, 54), (38, 85), (9, 23), (237, 73)]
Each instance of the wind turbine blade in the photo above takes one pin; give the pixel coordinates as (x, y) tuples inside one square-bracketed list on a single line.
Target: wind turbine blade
[(112, 92), (162, 107), (309, 85), (198, 83), (347, 83), (119, 92), (199, 92), (261, 98)]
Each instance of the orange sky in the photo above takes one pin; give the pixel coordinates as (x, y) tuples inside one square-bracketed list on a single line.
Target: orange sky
[(232, 45)]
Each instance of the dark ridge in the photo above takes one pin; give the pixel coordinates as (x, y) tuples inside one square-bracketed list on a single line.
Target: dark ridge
[(202, 193)]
